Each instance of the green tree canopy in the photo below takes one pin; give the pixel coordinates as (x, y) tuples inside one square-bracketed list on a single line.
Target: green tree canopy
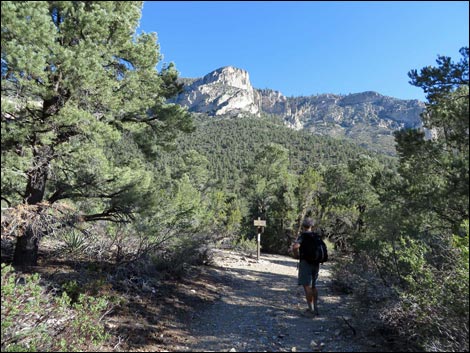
[(436, 170), (83, 108)]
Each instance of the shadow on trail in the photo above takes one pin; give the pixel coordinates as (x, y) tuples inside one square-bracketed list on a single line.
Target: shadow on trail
[(257, 310), (291, 263), (262, 311), (144, 303)]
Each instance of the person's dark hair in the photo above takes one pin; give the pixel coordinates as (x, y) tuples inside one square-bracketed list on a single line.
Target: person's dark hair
[(308, 222)]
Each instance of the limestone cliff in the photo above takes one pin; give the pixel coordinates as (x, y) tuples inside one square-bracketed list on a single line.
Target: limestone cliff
[(226, 91), (367, 117)]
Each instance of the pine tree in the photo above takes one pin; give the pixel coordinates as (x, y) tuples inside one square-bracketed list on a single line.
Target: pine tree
[(83, 110), (436, 170)]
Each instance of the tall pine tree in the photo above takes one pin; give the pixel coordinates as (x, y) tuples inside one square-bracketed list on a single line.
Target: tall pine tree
[(83, 110)]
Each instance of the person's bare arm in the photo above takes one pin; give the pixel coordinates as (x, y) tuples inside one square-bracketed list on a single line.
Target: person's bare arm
[(295, 249)]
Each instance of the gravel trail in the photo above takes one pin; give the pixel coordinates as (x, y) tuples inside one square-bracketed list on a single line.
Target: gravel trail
[(261, 309)]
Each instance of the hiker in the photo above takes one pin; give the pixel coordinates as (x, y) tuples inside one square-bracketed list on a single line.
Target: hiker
[(308, 270)]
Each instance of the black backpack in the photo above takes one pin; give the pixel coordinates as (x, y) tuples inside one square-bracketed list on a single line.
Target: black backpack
[(313, 248)]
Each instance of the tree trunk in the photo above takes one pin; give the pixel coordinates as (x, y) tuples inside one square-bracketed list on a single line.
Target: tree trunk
[(26, 250), (37, 177), (27, 245)]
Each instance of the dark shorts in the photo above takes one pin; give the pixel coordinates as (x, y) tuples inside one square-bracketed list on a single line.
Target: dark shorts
[(308, 273)]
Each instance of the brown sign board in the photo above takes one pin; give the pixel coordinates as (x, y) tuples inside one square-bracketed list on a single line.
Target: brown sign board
[(260, 223)]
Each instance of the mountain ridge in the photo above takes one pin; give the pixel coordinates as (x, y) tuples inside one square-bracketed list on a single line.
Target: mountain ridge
[(369, 117)]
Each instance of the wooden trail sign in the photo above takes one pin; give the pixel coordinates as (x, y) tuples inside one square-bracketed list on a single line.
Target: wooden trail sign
[(259, 223)]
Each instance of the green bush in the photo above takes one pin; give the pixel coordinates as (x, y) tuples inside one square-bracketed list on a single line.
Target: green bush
[(34, 320), (248, 246), (182, 253), (431, 310)]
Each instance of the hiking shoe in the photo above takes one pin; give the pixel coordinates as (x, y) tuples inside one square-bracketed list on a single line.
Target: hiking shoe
[(316, 312), (308, 313)]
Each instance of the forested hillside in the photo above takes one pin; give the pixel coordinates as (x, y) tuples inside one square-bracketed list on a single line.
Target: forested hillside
[(231, 145), (113, 188)]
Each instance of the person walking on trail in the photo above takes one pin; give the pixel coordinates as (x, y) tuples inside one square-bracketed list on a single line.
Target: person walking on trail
[(308, 270)]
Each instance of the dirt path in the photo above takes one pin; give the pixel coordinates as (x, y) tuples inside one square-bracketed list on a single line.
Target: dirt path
[(260, 309)]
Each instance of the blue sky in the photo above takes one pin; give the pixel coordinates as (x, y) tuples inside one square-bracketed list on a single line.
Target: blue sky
[(310, 47)]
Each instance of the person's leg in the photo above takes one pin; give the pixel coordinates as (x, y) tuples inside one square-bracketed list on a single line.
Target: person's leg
[(305, 280), (315, 300), (309, 296), (316, 270)]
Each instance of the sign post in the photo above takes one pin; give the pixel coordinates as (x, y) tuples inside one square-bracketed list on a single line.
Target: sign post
[(259, 223)]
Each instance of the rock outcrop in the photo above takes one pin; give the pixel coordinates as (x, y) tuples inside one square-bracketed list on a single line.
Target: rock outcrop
[(368, 117), (346, 111), (225, 91)]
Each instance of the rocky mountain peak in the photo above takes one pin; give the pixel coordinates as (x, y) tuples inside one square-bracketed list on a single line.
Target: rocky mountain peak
[(368, 117), (225, 91), (229, 76)]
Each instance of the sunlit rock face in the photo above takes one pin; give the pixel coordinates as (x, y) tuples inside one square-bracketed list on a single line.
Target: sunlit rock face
[(225, 91), (367, 117)]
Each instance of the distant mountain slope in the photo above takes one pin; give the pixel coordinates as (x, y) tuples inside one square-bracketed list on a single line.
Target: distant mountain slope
[(368, 118), (231, 145)]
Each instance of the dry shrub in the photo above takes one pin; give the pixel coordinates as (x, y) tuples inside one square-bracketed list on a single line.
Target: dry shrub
[(42, 218)]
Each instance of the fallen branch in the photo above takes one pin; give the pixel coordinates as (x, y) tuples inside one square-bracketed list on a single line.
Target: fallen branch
[(350, 326)]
